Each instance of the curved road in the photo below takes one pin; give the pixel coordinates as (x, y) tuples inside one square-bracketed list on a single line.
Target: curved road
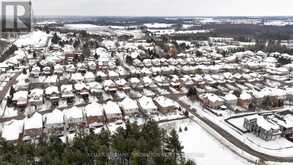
[(228, 136)]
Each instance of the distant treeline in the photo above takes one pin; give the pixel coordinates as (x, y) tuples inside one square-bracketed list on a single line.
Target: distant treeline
[(249, 31)]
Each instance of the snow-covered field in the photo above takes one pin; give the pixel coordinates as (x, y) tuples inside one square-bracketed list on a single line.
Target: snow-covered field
[(203, 148), (36, 39), (158, 25), (81, 26)]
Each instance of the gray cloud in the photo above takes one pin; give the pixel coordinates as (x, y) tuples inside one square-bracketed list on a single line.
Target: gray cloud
[(163, 7)]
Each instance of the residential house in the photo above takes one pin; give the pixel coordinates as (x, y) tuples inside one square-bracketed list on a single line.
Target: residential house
[(67, 93), (113, 75), (147, 105), (47, 71), (112, 111), (95, 115), (35, 72), (53, 94), (89, 77), (95, 87), (12, 130), (33, 126), (22, 82), (77, 77), (101, 74), (109, 85), (70, 68), (58, 69), (166, 105), (122, 84), (147, 81), (231, 99), (74, 119), (81, 89), (20, 98), (245, 100), (211, 100), (81, 67), (129, 106), (261, 127), (135, 82), (36, 96), (54, 122)]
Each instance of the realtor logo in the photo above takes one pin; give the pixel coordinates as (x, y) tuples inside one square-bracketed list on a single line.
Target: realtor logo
[(16, 16)]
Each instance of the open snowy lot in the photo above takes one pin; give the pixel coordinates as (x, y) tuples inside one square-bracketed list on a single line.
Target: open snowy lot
[(36, 39), (200, 146)]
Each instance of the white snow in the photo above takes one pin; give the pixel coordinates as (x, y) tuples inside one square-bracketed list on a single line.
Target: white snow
[(201, 147), (36, 39), (12, 129), (34, 122)]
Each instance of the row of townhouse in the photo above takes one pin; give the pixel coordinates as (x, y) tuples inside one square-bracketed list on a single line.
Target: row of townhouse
[(266, 98), (91, 116)]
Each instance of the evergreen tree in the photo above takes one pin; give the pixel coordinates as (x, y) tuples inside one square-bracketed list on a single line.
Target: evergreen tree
[(173, 145), (55, 38)]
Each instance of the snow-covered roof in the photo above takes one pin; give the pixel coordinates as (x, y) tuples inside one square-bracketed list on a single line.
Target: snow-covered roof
[(213, 97), (245, 96), (77, 77), (101, 73), (36, 92), (89, 75), (230, 97), (112, 73), (34, 122), (108, 83), (51, 89), (51, 79), (22, 77), (121, 82), (80, 86), (55, 117), (128, 103), (134, 80), (165, 102), (287, 122), (94, 109), (66, 88), (20, 95), (95, 86), (147, 103), (12, 129), (111, 108), (73, 113), (147, 80), (274, 92)]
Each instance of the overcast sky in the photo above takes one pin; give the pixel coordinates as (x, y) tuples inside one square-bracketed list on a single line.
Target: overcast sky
[(164, 7)]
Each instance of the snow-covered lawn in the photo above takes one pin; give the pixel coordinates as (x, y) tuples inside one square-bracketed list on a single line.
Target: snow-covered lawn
[(203, 148), (280, 148), (278, 144), (238, 122)]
